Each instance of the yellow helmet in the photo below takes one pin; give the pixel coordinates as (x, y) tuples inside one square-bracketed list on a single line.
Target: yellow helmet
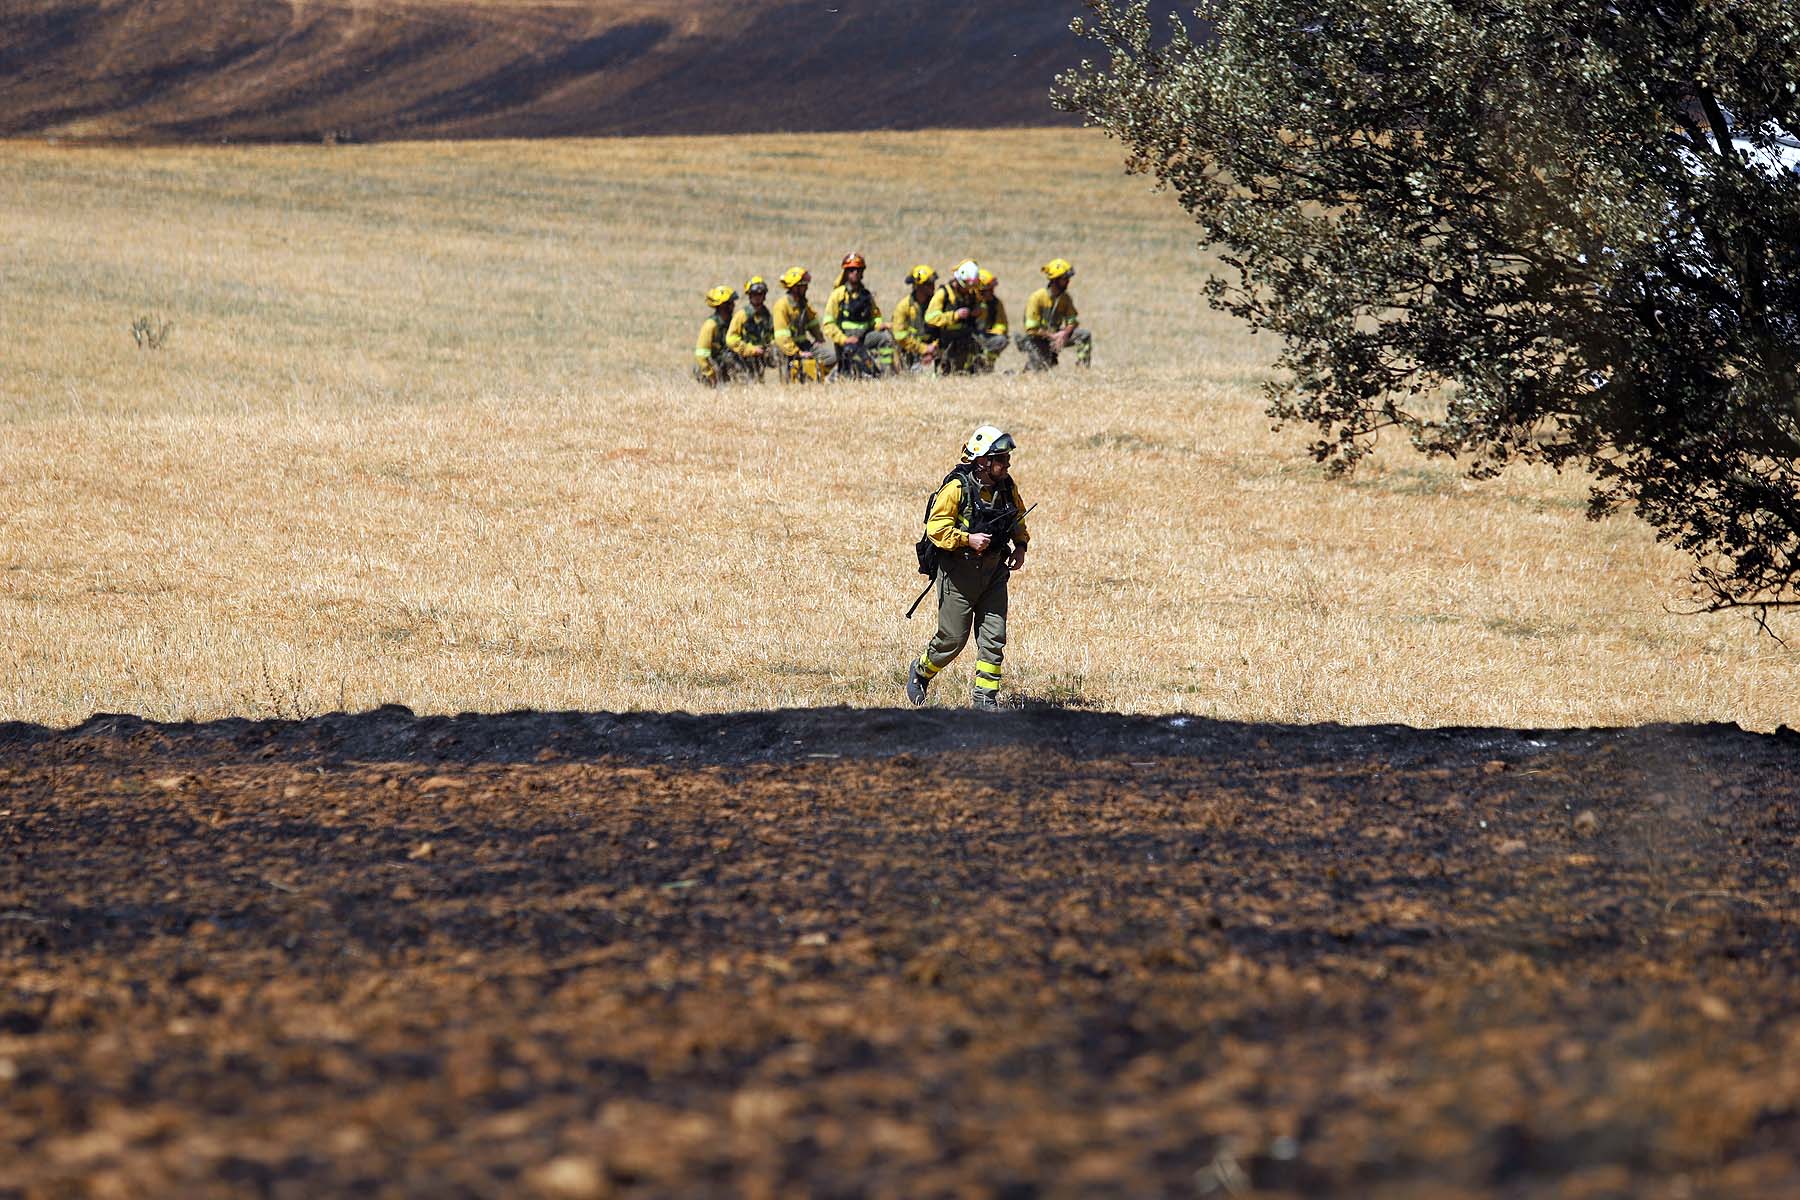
[(921, 275), (794, 276), (719, 296), (986, 279), (757, 284), (1056, 268)]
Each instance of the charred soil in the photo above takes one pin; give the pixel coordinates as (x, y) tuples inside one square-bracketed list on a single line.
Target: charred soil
[(374, 70), (870, 953)]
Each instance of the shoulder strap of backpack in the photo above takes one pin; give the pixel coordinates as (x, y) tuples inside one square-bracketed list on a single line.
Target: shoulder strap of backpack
[(962, 471)]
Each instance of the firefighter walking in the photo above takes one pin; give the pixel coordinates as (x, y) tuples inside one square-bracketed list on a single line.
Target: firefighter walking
[(976, 525)]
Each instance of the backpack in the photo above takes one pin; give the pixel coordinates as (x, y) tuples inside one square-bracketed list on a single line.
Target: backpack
[(997, 518)]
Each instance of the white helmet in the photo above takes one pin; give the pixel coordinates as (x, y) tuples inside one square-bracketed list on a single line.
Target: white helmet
[(988, 440), (967, 274)]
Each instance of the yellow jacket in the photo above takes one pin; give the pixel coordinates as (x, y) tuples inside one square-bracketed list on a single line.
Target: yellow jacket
[(791, 319), (944, 303), (945, 524), (750, 330), (1045, 314), (909, 324), (994, 318), (712, 339), (834, 314)]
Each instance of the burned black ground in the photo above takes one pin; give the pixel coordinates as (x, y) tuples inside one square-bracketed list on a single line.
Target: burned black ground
[(877, 953)]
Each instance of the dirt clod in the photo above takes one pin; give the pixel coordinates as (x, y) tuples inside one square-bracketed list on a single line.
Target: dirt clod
[(569, 1179)]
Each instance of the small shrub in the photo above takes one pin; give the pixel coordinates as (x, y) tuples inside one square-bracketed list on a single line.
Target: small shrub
[(150, 333)]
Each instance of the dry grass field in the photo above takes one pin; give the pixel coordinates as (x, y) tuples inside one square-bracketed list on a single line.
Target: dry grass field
[(421, 432)]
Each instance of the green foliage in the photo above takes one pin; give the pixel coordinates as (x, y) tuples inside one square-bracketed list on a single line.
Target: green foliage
[(1515, 230)]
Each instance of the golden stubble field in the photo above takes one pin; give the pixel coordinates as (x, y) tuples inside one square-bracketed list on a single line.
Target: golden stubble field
[(422, 432)]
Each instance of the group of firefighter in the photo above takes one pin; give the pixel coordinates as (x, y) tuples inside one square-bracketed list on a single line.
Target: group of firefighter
[(974, 535), (956, 325)]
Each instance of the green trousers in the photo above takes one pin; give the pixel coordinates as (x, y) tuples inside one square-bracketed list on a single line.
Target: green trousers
[(1040, 357), (971, 598)]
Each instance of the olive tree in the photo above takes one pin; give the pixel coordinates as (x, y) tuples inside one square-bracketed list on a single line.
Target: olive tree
[(1553, 231)]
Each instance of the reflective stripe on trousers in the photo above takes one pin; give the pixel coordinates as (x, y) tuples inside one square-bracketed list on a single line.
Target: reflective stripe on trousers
[(971, 599)]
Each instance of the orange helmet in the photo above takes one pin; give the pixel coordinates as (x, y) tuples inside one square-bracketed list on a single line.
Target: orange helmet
[(853, 259)]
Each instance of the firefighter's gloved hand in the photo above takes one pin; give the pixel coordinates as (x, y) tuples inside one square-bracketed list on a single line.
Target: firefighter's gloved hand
[(1016, 560), (979, 542)]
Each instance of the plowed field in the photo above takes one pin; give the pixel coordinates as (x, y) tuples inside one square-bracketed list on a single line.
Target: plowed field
[(869, 953)]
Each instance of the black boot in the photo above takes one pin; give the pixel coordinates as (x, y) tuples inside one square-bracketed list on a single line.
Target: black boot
[(916, 685)]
